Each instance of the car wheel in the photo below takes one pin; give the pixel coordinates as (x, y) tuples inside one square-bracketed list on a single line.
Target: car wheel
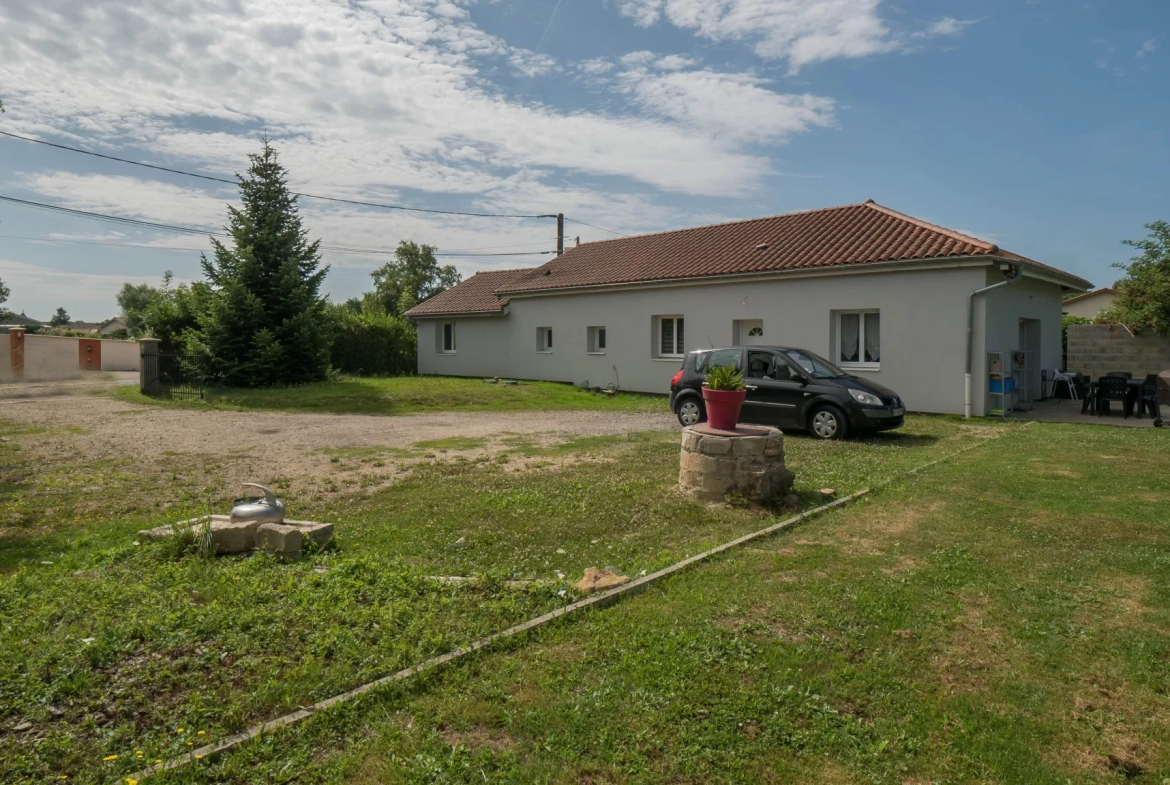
[(690, 412), (827, 423)]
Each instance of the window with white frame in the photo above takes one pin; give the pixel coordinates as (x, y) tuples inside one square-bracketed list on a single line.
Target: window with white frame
[(544, 339), (447, 338), (859, 339), (670, 336), (596, 340)]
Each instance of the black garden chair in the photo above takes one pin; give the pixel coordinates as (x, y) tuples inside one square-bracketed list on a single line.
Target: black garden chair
[(1087, 392), (1148, 397), (1112, 388)]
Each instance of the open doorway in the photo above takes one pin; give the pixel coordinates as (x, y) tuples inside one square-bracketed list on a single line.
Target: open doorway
[(1028, 372)]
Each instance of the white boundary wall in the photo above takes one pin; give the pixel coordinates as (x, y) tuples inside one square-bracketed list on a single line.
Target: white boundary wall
[(120, 355), (49, 358)]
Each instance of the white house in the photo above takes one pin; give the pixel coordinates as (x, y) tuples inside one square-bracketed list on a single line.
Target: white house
[(1089, 304), (876, 291)]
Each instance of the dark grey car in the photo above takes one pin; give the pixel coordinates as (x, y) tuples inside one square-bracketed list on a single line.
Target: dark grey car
[(792, 389)]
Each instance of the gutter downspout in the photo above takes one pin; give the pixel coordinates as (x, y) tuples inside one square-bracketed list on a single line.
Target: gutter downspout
[(1017, 274)]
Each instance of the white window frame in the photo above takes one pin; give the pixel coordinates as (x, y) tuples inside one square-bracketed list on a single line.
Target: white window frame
[(544, 340), (859, 365), (595, 340), (443, 338), (679, 351)]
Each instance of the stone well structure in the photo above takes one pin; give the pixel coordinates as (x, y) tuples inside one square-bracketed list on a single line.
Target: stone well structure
[(747, 462)]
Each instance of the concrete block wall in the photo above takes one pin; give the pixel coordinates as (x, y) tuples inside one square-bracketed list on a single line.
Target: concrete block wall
[(1097, 349)]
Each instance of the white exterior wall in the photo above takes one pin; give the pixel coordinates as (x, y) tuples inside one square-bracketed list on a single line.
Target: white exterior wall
[(923, 324), (997, 328), (1089, 307), (120, 355)]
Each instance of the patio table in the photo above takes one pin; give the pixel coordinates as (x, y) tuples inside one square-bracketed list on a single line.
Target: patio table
[(1133, 394)]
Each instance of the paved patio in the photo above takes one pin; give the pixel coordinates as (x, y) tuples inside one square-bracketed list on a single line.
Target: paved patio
[(1070, 412)]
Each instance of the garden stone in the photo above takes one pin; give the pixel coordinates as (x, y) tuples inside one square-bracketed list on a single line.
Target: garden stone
[(280, 538)]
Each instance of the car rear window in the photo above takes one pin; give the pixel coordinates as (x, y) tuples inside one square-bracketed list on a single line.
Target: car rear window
[(701, 361)]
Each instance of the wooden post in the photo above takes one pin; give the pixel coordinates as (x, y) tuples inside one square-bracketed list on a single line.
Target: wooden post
[(16, 351), (148, 366)]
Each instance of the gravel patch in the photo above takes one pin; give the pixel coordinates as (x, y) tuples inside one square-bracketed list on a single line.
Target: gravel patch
[(299, 450)]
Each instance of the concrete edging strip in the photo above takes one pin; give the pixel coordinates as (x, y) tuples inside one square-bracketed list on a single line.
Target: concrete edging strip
[(598, 599)]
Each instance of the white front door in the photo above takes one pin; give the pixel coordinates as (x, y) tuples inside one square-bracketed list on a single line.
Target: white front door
[(752, 332)]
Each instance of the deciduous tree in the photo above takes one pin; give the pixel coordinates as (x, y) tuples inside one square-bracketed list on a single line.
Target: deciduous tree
[(413, 277), (1143, 296)]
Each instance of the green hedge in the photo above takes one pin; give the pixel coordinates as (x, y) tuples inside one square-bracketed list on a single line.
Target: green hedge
[(373, 344)]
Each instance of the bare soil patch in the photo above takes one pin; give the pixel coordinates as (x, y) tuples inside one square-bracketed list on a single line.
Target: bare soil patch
[(304, 455)]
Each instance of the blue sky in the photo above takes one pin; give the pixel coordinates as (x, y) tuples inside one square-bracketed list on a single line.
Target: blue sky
[(1037, 124)]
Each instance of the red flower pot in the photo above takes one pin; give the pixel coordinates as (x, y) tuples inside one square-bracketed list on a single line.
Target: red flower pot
[(723, 407)]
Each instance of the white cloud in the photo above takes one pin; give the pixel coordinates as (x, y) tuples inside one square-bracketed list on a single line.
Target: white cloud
[(530, 64), (674, 63), (595, 66), (358, 95), (1148, 47), (731, 106), (39, 290), (801, 31), (948, 25)]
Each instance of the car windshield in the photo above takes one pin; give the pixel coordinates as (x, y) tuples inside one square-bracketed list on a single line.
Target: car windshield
[(814, 366)]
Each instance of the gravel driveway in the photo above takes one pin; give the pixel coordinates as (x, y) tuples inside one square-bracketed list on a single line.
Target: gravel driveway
[(299, 449)]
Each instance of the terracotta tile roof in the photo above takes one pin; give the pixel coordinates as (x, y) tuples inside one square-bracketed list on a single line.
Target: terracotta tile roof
[(475, 295), (855, 234)]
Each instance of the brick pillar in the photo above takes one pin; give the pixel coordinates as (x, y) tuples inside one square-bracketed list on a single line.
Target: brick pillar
[(148, 366), (16, 350)]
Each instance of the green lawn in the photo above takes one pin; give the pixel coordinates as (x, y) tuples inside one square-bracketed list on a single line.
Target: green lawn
[(410, 394), (1002, 617)]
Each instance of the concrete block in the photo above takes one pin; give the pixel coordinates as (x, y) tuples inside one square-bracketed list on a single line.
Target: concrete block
[(230, 537), (690, 440), (319, 533), (280, 538)]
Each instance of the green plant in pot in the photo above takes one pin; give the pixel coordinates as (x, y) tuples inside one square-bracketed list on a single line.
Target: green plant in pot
[(723, 393)]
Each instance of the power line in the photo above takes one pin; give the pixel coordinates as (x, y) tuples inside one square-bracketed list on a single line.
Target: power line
[(601, 228), (296, 193), (339, 249)]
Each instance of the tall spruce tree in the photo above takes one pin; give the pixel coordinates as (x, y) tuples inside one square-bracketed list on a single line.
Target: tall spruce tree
[(266, 323)]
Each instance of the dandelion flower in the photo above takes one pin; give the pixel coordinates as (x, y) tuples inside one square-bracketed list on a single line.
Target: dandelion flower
[(131, 782), (202, 733), (180, 730), (110, 757)]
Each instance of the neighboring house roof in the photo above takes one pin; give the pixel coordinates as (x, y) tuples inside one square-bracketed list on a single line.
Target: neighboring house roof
[(79, 326), (834, 237), (475, 295), (1086, 295), (8, 317)]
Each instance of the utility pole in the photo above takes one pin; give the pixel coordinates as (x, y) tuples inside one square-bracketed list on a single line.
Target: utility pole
[(560, 230)]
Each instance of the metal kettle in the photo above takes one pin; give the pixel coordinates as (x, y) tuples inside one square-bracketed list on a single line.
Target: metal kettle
[(269, 510)]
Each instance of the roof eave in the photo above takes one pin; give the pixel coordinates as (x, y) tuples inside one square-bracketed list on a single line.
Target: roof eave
[(1033, 270), (445, 314), (844, 269)]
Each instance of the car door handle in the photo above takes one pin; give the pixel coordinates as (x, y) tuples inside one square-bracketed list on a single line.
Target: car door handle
[(750, 387)]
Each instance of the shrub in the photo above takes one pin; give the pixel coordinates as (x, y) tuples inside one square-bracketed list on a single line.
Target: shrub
[(372, 343)]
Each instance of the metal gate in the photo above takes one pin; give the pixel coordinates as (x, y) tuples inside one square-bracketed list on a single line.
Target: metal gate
[(178, 376)]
